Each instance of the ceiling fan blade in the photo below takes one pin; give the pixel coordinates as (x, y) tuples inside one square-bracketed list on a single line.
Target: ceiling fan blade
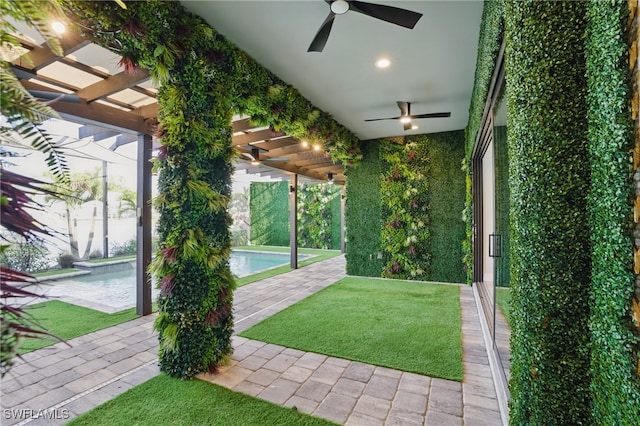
[(404, 18), (378, 119), (407, 125), (404, 108), (320, 40), (433, 115)]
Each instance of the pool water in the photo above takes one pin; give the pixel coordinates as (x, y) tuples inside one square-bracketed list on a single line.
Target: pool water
[(118, 289)]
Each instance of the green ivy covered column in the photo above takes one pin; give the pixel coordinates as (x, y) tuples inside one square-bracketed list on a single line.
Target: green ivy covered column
[(549, 178), (195, 320)]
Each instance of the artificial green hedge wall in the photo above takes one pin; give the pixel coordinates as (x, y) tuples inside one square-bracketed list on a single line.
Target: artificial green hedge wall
[(269, 212), (490, 40), (363, 214), (383, 217), (614, 384), (549, 179), (502, 201), (447, 193)]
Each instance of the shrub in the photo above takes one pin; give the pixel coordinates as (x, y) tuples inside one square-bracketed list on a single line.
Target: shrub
[(239, 238), (29, 256), (66, 260), (129, 247), (96, 254)]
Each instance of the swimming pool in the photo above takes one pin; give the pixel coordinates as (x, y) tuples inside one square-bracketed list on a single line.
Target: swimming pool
[(118, 289)]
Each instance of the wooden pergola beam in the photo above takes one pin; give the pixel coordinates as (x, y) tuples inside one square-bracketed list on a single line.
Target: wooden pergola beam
[(112, 84), (256, 136), (41, 56)]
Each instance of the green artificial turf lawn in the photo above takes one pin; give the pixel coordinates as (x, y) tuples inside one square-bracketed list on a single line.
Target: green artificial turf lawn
[(55, 272), (318, 255), (68, 321), (166, 401), (503, 300), (409, 326)]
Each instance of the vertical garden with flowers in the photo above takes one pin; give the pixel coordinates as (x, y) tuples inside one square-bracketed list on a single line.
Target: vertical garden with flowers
[(317, 218), (405, 210)]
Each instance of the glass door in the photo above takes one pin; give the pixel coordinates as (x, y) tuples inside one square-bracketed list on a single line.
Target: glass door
[(491, 203)]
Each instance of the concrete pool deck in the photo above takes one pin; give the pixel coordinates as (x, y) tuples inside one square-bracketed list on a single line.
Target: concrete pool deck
[(54, 384)]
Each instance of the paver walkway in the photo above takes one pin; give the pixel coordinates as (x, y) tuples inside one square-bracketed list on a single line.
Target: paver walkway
[(57, 383)]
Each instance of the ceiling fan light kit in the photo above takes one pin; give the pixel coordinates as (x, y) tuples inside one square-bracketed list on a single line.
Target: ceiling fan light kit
[(339, 7)]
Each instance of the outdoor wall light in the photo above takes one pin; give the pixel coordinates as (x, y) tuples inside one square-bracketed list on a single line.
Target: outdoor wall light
[(317, 147), (305, 144)]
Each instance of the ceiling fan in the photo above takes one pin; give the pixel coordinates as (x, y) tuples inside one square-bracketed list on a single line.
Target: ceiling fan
[(404, 18), (255, 159), (405, 116)]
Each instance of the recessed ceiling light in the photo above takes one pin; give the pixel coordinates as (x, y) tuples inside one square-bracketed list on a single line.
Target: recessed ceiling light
[(317, 147), (383, 63), (405, 119), (305, 144), (413, 127)]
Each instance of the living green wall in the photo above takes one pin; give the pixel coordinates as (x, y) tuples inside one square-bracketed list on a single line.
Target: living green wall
[(269, 213), (382, 217), (550, 244), (203, 81), (318, 215), (615, 384)]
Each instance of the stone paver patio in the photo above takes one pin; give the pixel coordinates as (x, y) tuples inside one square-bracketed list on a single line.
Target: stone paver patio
[(55, 384)]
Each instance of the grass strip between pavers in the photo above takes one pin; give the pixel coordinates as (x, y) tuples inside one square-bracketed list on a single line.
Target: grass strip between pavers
[(410, 326), (68, 321), (166, 401)]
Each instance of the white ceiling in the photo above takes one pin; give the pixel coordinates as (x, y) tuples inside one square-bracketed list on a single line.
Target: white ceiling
[(432, 66)]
